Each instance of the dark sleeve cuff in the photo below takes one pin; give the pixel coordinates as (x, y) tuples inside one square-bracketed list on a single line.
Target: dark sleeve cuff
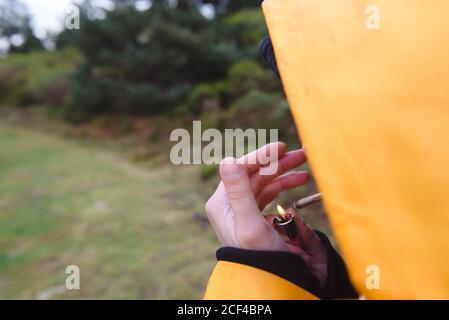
[(292, 268), (338, 285)]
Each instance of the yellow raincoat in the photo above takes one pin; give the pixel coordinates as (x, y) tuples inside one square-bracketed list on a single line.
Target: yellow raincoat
[(368, 84)]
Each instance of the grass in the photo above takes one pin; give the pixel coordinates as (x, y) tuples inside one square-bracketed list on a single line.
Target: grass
[(134, 233)]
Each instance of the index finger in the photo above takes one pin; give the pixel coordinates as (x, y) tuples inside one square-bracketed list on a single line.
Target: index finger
[(253, 161)]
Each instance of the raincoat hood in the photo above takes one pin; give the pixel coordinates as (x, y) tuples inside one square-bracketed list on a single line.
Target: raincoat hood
[(368, 85)]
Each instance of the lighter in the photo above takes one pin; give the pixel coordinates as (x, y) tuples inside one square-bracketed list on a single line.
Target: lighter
[(285, 224)]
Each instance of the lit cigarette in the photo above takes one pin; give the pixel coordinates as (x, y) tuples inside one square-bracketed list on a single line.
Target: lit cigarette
[(308, 201)]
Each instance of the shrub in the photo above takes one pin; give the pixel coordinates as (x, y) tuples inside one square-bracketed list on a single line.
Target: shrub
[(262, 110), (248, 26), (38, 77), (208, 171), (246, 75), (204, 97)]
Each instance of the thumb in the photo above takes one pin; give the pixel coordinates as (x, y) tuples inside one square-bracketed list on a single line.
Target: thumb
[(238, 188)]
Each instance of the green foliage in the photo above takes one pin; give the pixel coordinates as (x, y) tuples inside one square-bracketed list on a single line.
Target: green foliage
[(163, 61), (262, 110), (38, 77), (30, 43), (248, 27), (208, 171), (230, 6), (235, 5), (246, 75), (145, 62), (155, 61), (202, 96)]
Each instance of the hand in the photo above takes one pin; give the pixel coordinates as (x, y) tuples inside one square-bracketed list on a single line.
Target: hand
[(234, 210)]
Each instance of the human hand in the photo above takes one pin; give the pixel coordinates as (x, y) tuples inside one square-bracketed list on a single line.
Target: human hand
[(234, 210)]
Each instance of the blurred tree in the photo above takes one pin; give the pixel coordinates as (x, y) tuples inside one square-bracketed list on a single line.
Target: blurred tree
[(246, 28), (245, 76), (13, 14), (230, 6), (146, 62), (30, 42), (123, 3), (163, 57), (15, 27)]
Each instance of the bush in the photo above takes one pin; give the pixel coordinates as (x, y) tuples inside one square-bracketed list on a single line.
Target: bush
[(13, 86), (147, 62), (208, 171), (261, 110), (87, 96), (246, 75), (53, 89), (38, 77), (204, 97), (248, 26)]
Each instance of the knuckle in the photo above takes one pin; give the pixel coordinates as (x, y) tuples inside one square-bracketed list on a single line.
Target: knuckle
[(236, 195), (227, 161), (230, 170)]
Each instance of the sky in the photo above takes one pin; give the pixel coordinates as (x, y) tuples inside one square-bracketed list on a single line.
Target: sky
[(48, 15)]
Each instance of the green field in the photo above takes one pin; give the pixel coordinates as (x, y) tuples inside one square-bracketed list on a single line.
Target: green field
[(134, 232)]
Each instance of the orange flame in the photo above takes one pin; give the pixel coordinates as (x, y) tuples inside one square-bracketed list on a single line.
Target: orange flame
[(281, 211)]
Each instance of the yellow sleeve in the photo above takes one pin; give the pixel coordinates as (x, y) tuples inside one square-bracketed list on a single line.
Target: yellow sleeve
[(234, 281)]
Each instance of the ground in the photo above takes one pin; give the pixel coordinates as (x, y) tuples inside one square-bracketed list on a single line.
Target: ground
[(133, 232)]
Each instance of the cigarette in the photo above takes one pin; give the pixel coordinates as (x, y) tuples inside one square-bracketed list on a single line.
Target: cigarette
[(307, 201)]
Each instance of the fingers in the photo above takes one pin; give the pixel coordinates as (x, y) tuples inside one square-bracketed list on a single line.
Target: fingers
[(280, 184), (309, 240), (288, 162), (253, 161), (241, 198)]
